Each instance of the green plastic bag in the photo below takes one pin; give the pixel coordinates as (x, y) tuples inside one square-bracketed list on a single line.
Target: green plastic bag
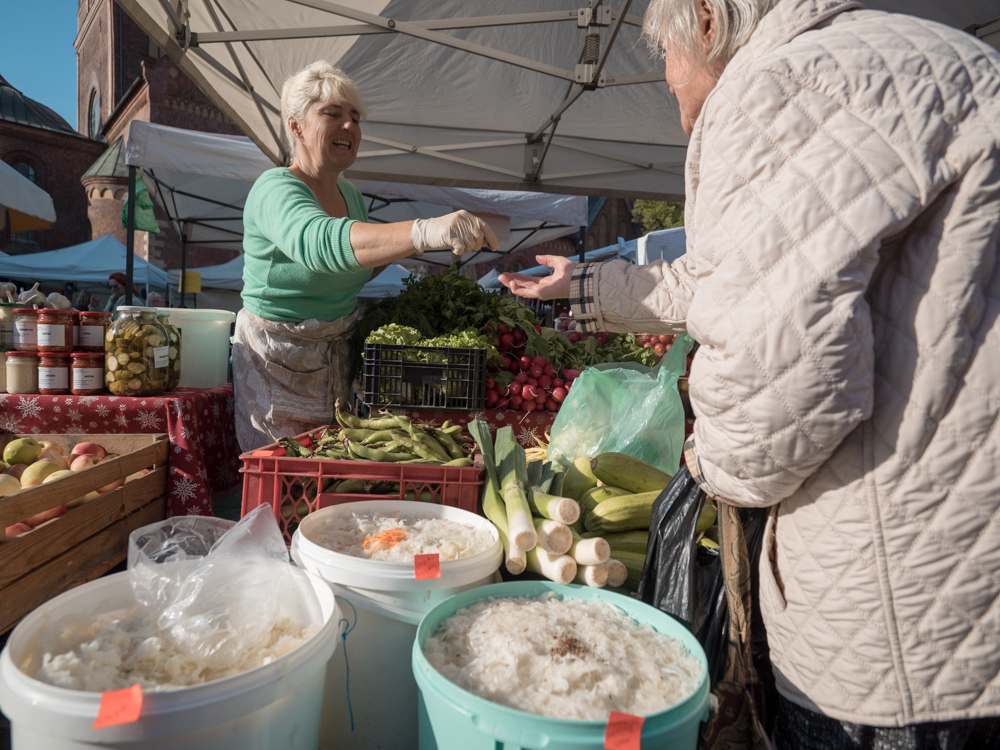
[(625, 407), (145, 219)]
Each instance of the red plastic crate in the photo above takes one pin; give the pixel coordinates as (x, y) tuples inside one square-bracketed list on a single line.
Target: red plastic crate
[(293, 486)]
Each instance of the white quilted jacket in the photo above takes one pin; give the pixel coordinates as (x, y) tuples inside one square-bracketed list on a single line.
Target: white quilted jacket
[(843, 223)]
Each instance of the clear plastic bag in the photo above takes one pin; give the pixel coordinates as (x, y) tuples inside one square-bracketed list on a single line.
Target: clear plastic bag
[(211, 585), (627, 408)]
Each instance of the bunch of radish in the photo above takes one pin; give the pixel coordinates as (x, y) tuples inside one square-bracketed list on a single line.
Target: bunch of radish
[(658, 343), (528, 384), (603, 337)]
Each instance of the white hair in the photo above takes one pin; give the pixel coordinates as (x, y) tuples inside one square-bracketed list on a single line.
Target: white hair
[(674, 25), (316, 83)]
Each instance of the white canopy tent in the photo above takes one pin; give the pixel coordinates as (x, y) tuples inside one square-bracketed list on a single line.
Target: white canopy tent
[(87, 263), (202, 181), (560, 97)]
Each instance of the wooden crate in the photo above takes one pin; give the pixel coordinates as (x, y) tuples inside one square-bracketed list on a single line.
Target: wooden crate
[(86, 541)]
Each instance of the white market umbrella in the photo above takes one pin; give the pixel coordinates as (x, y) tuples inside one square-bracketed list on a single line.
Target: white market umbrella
[(26, 204)]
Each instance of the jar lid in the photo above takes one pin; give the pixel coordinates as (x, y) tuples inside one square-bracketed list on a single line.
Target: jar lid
[(25, 310), (46, 355), (95, 314), (9, 304), (88, 355), (136, 308), (52, 311), (18, 353)]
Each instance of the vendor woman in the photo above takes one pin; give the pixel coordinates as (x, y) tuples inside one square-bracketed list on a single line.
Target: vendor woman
[(308, 251)]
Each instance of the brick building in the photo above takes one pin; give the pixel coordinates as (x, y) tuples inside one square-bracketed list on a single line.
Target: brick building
[(122, 76), (48, 151)]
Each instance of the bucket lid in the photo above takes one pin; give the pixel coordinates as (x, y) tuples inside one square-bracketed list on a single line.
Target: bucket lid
[(383, 575), (135, 308), (187, 313)]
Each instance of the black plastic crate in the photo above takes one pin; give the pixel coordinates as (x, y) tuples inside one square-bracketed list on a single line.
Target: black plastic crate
[(424, 377)]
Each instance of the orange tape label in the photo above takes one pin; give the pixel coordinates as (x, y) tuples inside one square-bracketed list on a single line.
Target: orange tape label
[(623, 732), (426, 566), (119, 707)]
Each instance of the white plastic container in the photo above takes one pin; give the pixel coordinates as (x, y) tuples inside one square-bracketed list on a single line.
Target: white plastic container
[(390, 604), (204, 345), (274, 706)]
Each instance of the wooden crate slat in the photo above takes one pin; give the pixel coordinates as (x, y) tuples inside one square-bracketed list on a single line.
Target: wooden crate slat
[(19, 556), (88, 560)]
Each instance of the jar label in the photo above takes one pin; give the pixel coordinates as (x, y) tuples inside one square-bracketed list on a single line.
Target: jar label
[(161, 356), (51, 335), (53, 378), (88, 378), (7, 333), (25, 332), (91, 335)]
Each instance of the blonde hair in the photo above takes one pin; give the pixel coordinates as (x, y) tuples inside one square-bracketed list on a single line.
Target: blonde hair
[(674, 24), (316, 83)]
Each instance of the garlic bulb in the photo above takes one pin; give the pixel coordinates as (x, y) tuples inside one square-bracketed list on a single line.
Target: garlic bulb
[(8, 292), (56, 301), (31, 297)]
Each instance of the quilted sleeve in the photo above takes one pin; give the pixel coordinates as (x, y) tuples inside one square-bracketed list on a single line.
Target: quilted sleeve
[(617, 296), (795, 196)]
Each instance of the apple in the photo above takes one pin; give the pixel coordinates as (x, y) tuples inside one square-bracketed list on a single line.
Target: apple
[(55, 458), (46, 515), (136, 475), (35, 474), (112, 486), (18, 528), (16, 470), (49, 447), (22, 451), (91, 449), (8, 485), (57, 475), (83, 461)]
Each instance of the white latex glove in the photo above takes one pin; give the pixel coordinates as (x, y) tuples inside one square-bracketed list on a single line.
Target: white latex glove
[(461, 231)]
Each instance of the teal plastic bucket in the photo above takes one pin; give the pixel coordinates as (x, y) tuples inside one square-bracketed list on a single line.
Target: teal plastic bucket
[(452, 718)]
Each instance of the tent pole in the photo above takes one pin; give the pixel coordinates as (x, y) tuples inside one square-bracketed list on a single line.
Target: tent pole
[(184, 254), (130, 236), (581, 243)]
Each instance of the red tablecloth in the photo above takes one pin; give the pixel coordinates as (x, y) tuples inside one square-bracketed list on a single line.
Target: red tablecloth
[(204, 454), (527, 425)]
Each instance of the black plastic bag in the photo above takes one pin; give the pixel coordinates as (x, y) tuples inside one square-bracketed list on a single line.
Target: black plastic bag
[(682, 578)]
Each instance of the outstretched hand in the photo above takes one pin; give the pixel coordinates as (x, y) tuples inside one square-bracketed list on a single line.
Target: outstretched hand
[(555, 286)]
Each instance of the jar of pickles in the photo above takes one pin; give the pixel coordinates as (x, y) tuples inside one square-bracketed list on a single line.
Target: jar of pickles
[(174, 336), (93, 326), (137, 353), (26, 329)]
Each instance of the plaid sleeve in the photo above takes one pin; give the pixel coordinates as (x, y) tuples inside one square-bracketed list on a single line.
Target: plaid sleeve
[(581, 299)]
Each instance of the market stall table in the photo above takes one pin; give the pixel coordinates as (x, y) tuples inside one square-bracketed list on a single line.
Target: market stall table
[(204, 455)]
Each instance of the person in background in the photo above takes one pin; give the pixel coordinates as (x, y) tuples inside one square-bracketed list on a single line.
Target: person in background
[(116, 282), (842, 201), (308, 252)]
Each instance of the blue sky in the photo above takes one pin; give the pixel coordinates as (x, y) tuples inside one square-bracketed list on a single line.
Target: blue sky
[(37, 55)]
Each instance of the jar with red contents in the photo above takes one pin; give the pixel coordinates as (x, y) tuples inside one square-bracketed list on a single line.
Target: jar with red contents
[(86, 373), (55, 331), (93, 327), (26, 329), (53, 373)]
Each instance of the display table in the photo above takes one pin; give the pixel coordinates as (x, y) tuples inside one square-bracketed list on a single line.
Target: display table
[(204, 454)]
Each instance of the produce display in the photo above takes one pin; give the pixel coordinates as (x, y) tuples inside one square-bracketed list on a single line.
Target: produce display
[(397, 537), (562, 658), (28, 463), (137, 349), (122, 648), (531, 367), (589, 524)]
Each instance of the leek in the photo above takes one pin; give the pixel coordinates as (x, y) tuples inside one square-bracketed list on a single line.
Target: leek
[(595, 576), (558, 568), (512, 469), (493, 507), (565, 510), (553, 536)]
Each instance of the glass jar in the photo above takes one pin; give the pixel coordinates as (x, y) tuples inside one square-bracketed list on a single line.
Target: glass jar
[(53, 373), (55, 331), (86, 375), (22, 372), (174, 337), (7, 325), (75, 314), (92, 329), (137, 353), (26, 329)]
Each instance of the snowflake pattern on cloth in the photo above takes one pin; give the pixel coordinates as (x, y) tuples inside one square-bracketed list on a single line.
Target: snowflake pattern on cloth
[(29, 408), (149, 420)]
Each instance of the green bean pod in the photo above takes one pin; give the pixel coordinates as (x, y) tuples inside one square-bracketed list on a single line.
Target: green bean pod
[(365, 453), (449, 444)]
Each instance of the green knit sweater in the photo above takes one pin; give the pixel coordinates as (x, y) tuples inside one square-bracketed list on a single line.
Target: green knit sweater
[(298, 260)]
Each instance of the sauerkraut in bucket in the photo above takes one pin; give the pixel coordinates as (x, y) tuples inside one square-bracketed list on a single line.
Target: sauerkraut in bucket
[(207, 607), (398, 536), (562, 658)]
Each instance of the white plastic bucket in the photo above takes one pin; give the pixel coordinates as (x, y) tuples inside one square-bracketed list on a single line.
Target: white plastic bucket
[(274, 706), (389, 604), (204, 345)]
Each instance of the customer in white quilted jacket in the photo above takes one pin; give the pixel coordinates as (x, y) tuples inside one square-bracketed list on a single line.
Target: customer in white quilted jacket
[(841, 276)]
